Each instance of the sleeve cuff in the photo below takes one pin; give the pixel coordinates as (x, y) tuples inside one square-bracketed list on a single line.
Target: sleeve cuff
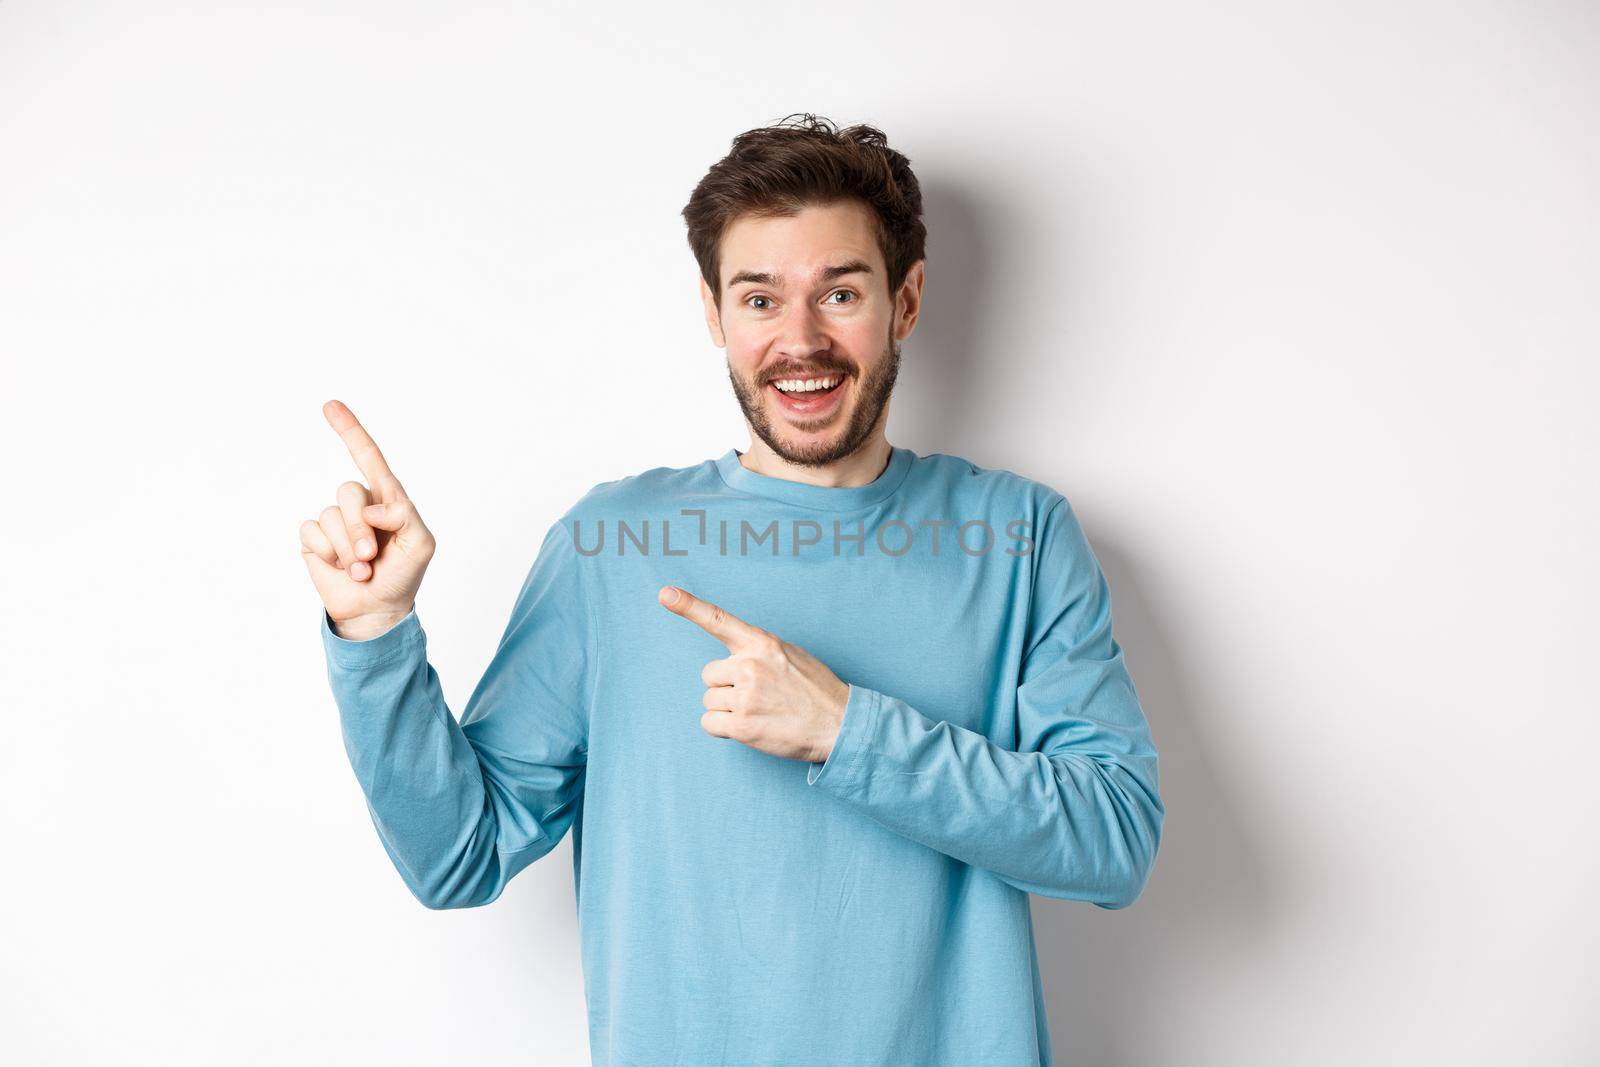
[(841, 771), (358, 654)]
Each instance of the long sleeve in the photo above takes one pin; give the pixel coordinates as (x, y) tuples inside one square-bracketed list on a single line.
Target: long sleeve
[(462, 808), (1075, 812)]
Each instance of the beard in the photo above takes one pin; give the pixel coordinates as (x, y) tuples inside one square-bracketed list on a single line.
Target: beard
[(872, 398)]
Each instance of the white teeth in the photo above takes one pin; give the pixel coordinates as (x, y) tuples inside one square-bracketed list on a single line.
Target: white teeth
[(795, 385)]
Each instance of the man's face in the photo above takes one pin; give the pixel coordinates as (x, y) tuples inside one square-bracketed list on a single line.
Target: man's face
[(806, 300)]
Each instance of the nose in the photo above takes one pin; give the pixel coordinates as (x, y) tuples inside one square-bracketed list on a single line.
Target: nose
[(801, 332)]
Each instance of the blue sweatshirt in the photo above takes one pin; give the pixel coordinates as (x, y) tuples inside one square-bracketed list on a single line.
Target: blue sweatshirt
[(739, 908)]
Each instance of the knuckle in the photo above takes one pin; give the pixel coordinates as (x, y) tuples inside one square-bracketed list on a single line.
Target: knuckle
[(352, 488)]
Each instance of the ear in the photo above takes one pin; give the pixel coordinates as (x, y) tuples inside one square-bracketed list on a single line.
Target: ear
[(908, 303), (713, 318)]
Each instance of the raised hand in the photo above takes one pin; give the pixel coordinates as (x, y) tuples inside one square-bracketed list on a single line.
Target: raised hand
[(767, 693), (368, 552)]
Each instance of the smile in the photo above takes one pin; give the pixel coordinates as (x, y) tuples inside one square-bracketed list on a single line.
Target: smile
[(809, 396)]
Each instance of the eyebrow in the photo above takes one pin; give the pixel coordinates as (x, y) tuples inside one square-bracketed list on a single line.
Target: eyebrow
[(827, 274)]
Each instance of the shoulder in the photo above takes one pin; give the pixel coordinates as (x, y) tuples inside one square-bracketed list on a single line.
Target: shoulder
[(971, 485), (1062, 561), (643, 492)]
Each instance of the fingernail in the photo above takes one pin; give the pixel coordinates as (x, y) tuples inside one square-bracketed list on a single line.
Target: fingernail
[(672, 595), (363, 547), (359, 570)]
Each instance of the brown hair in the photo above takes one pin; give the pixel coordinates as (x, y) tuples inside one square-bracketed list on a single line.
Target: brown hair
[(776, 170)]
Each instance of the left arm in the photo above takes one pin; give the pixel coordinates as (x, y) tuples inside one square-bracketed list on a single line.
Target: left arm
[(1076, 811)]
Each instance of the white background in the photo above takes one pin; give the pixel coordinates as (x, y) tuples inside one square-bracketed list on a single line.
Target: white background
[(1298, 307)]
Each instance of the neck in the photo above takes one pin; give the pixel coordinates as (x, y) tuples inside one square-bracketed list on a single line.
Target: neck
[(861, 467)]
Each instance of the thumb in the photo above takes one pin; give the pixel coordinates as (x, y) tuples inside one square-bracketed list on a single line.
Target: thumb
[(390, 517)]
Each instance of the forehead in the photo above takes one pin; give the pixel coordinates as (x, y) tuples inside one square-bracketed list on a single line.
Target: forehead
[(795, 247)]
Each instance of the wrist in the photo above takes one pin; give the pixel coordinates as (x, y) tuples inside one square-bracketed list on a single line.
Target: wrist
[(834, 723), (366, 627)]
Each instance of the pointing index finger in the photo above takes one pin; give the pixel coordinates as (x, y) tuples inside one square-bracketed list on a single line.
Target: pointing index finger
[(723, 625), (364, 450)]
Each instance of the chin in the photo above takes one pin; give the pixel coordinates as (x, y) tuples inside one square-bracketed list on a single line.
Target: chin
[(798, 435), (810, 449)]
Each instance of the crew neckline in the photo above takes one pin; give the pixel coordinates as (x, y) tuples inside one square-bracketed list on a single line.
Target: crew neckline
[(825, 497)]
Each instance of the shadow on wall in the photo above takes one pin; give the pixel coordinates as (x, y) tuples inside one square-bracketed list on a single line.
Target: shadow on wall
[(940, 392), (1209, 898)]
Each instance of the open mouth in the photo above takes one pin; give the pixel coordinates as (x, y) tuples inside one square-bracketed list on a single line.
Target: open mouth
[(811, 395)]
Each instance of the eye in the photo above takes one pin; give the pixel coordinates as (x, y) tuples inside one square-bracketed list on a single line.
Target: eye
[(844, 292), (748, 299)]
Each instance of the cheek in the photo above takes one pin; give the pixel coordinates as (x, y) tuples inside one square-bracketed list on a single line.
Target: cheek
[(745, 361), (863, 337), (746, 347)]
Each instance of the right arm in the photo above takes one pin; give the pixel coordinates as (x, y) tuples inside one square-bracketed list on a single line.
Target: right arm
[(462, 808)]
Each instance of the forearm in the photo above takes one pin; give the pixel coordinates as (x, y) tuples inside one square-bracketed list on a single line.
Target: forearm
[(1079, 825), (430, 800)]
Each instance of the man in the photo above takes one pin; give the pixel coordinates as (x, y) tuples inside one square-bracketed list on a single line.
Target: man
[(820, 714)]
